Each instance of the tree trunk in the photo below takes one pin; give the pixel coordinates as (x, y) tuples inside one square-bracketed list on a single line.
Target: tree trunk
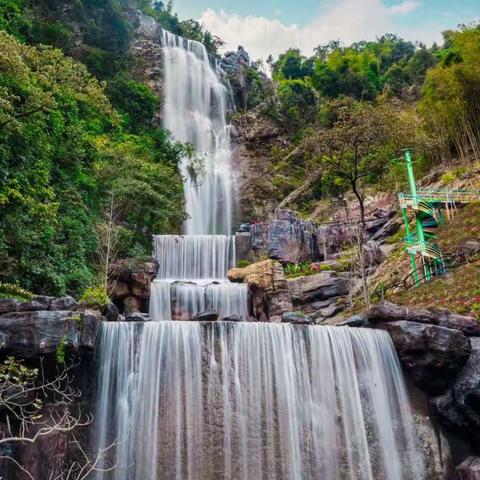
[(361, 242)]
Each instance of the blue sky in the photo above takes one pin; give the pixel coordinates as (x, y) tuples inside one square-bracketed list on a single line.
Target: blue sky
[(271, 26)]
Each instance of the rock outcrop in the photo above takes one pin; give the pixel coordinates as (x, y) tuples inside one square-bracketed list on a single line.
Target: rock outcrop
[(469, 469), (459, 408), (386, 312), (269, 296), (432, 355), (291, 240), (131, 280), (296, 318), (232, 62), (37, 327), (322, 296), (286, 239), (440, 352)]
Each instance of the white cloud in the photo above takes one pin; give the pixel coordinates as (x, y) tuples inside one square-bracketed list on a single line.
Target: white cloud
[(347, 20), (405, 8)]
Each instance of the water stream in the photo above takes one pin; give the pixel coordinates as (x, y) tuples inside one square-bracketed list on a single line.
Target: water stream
[(253, 401)]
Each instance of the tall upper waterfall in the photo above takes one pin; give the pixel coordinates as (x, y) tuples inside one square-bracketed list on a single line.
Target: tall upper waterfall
[(195, 111), (252, 401)]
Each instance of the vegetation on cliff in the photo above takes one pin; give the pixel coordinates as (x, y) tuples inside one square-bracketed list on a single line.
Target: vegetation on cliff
[(428, 98), (65, 152)]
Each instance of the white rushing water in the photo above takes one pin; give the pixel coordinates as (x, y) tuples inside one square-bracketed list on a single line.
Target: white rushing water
[(195, 112), (194, 256), (250, 401), (192, 275)]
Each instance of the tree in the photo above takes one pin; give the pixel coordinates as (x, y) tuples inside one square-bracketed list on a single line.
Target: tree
[(354, 150), (23, 395), (292, 65), (296, 103), (109, 234), (451, 101)]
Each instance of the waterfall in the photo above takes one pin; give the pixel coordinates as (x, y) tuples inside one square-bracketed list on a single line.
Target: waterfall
[(194, 256), (195, 112), (248, 401), (182, 301), (193, 268)]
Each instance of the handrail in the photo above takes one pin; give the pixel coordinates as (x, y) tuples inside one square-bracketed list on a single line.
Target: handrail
[(440, 196), (451, 261)]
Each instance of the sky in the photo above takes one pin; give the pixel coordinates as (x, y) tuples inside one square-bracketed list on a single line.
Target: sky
[(266, 27)]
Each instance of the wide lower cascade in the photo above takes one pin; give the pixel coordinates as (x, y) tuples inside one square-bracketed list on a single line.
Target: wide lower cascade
[(222, 400)]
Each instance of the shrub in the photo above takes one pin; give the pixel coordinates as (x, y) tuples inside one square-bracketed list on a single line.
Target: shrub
[(243, 263), (135, 100), (294, 270), (95, 297), (9, 290), (448, 178), (61, 351), (476, 310)]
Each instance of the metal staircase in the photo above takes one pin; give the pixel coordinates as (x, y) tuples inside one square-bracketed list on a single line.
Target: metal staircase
[(427, 259)]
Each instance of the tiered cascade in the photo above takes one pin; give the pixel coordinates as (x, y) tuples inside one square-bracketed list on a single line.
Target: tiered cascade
[(223, 400), (187, 400), (192, 277)]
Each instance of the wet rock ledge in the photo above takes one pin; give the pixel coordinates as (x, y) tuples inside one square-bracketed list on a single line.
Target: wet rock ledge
[(37, 327), (440, 352)]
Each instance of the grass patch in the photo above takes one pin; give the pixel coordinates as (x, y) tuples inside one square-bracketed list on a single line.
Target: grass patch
[(457, 291), (464, 226)]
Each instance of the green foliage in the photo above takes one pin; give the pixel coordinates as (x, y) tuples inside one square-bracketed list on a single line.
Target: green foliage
[(135, 100), (243, 263), (95, 297), (14, 373), (475, 309), (8, 290), (62, 150), (61, 351), (13, 19), (295, 270), (292, 65), (296, 104), (450, 102)]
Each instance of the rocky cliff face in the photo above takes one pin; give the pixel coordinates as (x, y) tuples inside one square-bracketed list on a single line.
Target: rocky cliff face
[(47, 331), (288, 239), (440, 352)]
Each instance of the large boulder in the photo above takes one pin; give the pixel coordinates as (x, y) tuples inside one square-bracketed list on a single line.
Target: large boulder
[(296, 318), (321, 295), (269, 296), (38, 302), (206, 316), (9, 305), (459, 408), (131, 283), (34, 333), (386, 312), (286, 239), (432, 355)]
